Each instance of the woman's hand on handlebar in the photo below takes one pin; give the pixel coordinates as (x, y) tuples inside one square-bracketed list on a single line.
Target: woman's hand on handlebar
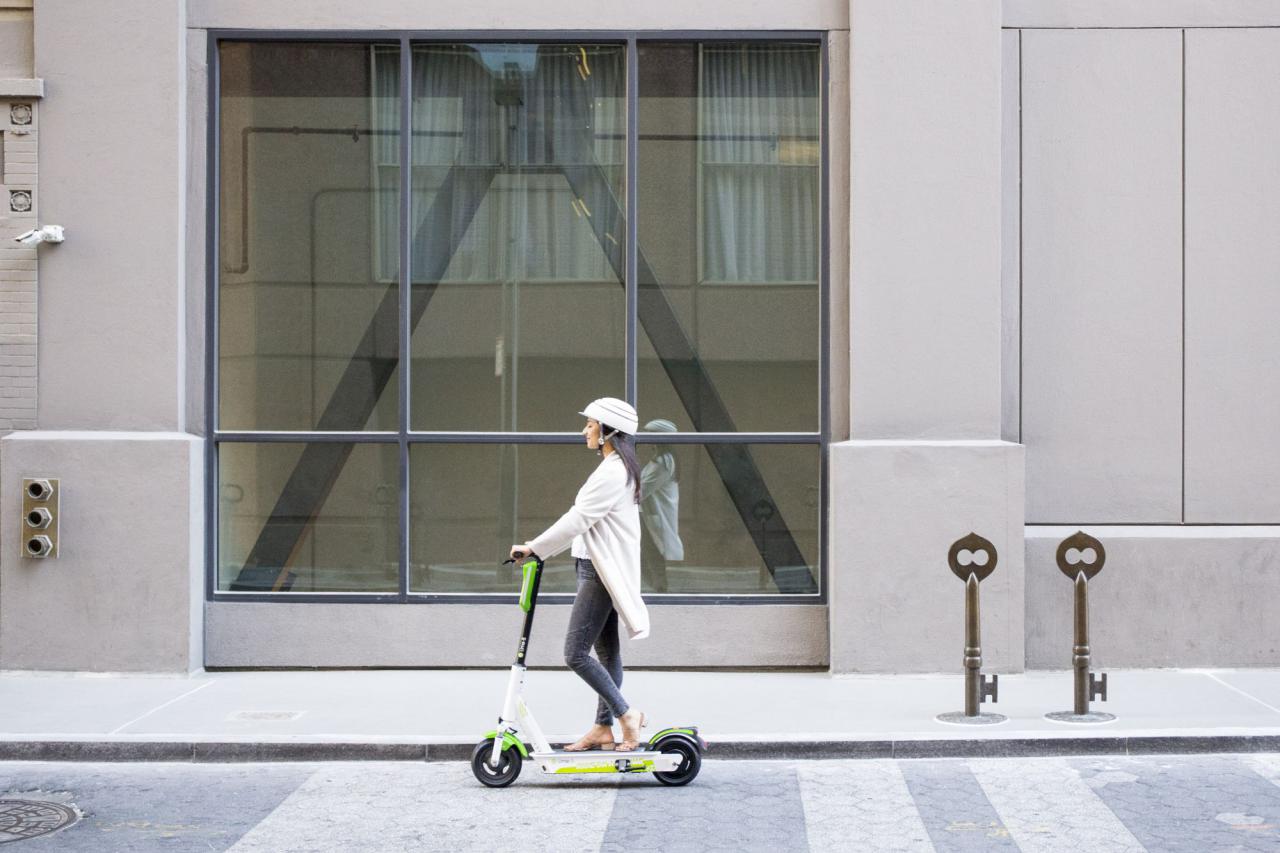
[(519, 552)]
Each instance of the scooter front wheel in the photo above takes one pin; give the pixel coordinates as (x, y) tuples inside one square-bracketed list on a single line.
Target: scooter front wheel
[(509, 761)]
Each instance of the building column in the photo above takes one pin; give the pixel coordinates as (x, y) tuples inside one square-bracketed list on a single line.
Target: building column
[(111, 424), (924, 465)]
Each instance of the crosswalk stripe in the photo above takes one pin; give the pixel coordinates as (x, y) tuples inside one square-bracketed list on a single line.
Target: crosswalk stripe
[(860, 806), (1047, 807), (1266, 765), (394, 807)]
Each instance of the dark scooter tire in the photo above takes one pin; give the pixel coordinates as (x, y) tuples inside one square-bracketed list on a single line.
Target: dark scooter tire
[(690, 761), (495, 777)]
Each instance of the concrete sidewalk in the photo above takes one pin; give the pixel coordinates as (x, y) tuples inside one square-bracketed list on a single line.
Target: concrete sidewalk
[(439, 714)]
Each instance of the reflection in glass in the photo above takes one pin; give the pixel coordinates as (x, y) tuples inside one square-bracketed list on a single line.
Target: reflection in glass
[(470, 502), (659, 509), (308, 320), (285, 526), (518, 232), (729, 201), (769, 545)]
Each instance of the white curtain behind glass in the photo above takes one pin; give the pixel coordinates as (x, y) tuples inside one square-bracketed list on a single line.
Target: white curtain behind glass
[(759, 154), (386, 158), (527, 227)]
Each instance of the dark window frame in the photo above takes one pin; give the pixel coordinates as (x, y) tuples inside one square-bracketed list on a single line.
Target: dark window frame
[(405, 437)]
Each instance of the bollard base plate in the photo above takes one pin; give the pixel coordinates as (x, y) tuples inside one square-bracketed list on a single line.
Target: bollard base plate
[(1073, 717), (960, 719)]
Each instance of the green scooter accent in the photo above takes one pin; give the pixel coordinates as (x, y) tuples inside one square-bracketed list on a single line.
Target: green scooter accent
[(530, 570), (508, 739), (689, 732), (638, 767)]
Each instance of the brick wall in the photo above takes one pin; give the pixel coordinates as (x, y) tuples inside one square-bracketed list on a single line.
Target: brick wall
[(19, 209)]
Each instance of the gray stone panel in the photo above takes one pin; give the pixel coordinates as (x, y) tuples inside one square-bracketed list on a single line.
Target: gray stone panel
[(896, 507), (1233, 266), (124, 593), (499, 14), (838, 233), (1102, 277), (193, 316), (1189, 596), (1139, 13), (924, 281), (319, 634), (15, 43), (1010, 237), (110, 295)]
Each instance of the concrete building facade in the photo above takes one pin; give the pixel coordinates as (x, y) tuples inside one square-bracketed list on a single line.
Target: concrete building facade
[(1002, 268)]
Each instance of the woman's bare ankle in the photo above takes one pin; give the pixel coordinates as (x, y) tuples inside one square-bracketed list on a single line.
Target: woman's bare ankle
[(631, 722)]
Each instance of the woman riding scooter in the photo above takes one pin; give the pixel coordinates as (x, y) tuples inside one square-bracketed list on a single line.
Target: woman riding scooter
[(602, 530)]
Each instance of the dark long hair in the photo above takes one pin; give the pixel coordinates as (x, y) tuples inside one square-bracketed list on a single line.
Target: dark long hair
[(625, 446)]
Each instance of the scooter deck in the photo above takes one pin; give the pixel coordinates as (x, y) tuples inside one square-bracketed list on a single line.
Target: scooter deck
[(559, 761)]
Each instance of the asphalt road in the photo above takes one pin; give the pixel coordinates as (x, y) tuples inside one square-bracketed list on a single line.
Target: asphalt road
[(1159, 803)]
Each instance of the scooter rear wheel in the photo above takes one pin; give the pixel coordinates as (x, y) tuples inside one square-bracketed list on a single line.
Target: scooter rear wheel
[(690, 762), (509, 761)]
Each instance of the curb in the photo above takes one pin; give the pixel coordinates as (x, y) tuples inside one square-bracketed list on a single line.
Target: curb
[(223, 751)]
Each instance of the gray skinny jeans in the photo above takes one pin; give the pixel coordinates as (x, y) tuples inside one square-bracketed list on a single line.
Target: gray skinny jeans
[(594, 622)]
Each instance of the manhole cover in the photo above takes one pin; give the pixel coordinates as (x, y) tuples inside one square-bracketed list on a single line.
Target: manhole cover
[(22, 819)]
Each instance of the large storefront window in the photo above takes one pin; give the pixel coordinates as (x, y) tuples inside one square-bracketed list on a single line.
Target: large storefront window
[(400, 354), (729, 185)]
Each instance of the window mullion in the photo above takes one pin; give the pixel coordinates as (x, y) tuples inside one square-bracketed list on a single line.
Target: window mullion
[(406, 286), (632, 264)]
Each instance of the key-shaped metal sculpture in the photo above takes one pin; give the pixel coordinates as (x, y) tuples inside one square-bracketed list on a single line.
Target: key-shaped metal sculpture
[(1080, 557), (973, 558)]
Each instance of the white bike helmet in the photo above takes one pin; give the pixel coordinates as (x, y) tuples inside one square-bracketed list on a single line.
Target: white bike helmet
[(618, 415)]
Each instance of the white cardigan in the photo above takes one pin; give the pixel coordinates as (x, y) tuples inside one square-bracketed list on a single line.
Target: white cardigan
[(607, 518)]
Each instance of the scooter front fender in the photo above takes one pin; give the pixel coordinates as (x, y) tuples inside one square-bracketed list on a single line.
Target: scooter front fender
[(509, 739)]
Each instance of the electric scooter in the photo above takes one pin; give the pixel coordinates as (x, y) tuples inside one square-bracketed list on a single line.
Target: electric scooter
[(673, 756)]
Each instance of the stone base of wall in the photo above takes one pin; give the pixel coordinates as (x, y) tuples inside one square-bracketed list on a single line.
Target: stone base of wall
[(896, 507), (306, 634), (1167, 596), (125, 592)]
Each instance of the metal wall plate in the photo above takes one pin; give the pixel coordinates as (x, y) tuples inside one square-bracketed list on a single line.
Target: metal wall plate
[(40, 500)]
